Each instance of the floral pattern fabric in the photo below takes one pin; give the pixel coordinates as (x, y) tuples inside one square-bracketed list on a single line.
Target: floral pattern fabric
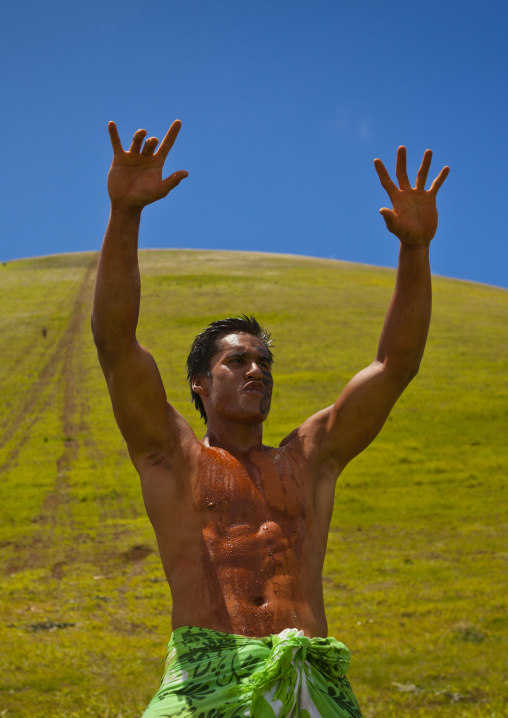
[(210, 674)]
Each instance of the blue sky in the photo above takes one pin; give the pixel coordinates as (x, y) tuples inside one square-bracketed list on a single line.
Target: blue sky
[(284, 106)]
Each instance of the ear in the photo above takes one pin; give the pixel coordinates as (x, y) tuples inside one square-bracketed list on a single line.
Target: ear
[(201, 385)]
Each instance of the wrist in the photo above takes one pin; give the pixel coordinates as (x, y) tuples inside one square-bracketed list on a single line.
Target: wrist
[(125, 211), (414, 257), (415, 248)]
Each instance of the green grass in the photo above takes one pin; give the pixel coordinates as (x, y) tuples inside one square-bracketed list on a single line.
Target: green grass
[(415, 577)]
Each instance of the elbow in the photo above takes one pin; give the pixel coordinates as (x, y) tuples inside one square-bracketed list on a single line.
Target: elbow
[(109, 342), (98, 337), (413, 371), (408, 372), (103, 345), (402, 372)]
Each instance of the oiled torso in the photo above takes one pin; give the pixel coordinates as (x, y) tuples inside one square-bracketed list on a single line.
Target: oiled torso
[(245, 555)]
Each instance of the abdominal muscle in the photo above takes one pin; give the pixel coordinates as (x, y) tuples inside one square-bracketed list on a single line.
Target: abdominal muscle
[(239, 552), (249, 581)]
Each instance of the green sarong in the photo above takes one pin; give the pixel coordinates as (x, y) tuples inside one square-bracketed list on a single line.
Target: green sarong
[(221, 675)]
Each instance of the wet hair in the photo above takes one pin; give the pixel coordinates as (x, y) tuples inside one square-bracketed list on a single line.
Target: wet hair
[(206, 344)]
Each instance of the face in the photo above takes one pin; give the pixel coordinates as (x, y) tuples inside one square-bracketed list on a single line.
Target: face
[(240, 383)]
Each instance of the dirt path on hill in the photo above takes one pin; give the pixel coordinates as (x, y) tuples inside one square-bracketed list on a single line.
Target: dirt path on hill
[(64, 370), (72, 372), (33, 406), (54, 539)]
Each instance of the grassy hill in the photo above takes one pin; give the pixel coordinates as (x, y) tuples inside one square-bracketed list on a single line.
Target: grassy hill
[(415, 578)]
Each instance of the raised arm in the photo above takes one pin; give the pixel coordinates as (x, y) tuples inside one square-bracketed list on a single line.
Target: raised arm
[(134, 383), (343, 430)]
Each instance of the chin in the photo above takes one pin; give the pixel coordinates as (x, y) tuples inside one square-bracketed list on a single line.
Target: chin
[(251, 418), (254, 417)]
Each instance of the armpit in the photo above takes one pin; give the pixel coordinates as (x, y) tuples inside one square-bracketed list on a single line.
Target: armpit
[(289, 437)]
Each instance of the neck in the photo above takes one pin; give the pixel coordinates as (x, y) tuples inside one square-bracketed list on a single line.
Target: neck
[(238, 439)]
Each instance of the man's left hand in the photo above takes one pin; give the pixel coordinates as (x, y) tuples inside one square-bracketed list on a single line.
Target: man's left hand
[(413, 218)]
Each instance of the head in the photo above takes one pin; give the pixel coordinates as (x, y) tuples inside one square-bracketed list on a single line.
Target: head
[(208, 343)]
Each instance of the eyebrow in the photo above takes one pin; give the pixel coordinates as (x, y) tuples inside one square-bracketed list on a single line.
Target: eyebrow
[(242, 355)]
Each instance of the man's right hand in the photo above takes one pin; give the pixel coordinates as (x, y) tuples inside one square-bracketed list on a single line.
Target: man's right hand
[(135, 177)]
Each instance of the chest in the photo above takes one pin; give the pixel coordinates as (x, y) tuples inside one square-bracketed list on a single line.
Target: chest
[(269, 485)]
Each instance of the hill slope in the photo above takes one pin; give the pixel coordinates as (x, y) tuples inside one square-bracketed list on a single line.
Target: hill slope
[(415, 579)]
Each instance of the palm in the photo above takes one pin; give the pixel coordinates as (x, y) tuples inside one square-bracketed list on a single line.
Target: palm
[(135, 176), (413, 217), (133, 180)]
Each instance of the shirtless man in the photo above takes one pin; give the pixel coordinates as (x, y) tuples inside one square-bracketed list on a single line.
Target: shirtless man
[(242, 527)]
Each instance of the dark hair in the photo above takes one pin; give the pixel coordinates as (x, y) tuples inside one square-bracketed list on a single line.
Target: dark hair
[(205, 345)]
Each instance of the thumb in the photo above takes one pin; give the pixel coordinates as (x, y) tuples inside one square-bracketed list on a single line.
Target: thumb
[(173, 181), (389, 218)]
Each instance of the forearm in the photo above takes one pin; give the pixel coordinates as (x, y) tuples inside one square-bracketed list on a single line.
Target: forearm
[(406, 325), (117, 287)]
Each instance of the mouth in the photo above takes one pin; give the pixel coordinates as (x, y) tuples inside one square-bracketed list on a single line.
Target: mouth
[(254, 387)]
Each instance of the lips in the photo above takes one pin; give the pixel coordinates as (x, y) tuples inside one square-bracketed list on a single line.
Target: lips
[(254, 386)]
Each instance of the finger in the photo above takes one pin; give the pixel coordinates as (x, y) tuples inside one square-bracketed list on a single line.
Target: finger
[(115, 138), (169, 140), (173, 180), (385, 179), (423, 172), (137, 140), (150, 145), (435, 186), (401, 170)]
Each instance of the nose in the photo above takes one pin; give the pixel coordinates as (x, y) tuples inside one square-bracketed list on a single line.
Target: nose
[(254, 371)]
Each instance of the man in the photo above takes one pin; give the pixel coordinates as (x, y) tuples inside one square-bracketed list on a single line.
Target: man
[(242, 527)]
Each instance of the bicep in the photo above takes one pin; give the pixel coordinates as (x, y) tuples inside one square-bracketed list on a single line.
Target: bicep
[(139, 401)]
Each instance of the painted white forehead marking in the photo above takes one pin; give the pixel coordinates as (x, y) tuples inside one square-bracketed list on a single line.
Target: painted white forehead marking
[(242, 340)]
